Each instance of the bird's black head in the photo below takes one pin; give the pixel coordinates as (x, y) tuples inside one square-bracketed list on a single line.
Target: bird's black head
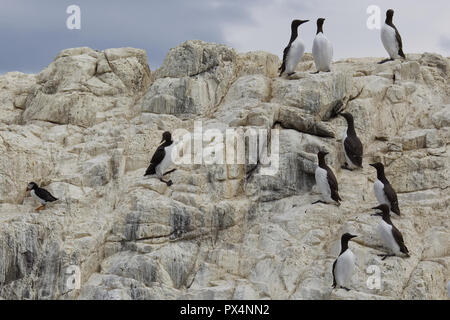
[(344, 241), (389, 15), (347, 116), (32, 186), (321, 154), (347, 236), (384, 210), (320, 22), (167, 137), (377, 165), (296, 23)]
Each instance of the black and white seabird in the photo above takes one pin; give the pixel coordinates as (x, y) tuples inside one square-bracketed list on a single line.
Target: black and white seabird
[(162, 159), (344, 265), (322, 49), (383, 189), (353, 148), (389, 234), (326, 181), (42, 195), (293, 53), (392, 41)]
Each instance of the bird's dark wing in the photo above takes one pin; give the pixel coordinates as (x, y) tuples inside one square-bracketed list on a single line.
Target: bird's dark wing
[(354, 150), (45, 195), (334, 277), (285, 53), (392, 197), (399, 42), (332, 182), (159, 155), (399, 239)]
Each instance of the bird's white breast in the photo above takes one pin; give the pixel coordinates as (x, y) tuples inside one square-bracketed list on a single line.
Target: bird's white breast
[(378, 189), (322, 52), (33, 194), (345, 265), (322, 184), (167, 161), (294, 55), (389, 41), (385, 231)]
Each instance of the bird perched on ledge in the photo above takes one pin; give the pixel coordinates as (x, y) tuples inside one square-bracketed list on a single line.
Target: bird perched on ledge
[(162, 159), (383, 189), (344, 265), (392, 41), (42, 195), (353, 148), (322, 49), (293, 53), (389, 234), (326, 181)]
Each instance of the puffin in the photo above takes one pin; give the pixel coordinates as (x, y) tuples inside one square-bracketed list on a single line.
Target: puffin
[(389, 234), (353, 148), (326, 181), (162, 159), (383, 189), (322, 49), (42, 195), (344, 265), (293, 53), (392, 41)]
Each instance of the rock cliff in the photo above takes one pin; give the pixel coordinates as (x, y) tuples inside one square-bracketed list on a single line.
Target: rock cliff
[(86, 127)]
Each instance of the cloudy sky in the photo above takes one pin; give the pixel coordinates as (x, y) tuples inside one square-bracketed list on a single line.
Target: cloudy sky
[(32, 32)]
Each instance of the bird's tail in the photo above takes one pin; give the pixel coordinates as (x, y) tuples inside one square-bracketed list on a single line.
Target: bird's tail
[(282, 68), (401, 54), (395, 209), (150, 170)]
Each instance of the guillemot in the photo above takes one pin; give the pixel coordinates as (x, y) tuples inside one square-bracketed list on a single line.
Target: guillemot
[(162, 159), (293, 53)]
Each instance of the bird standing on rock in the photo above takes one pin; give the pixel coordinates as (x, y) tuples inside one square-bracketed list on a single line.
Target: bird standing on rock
[(162, 159), (353, 148), (392, 41), (344, 265), (326, 181), (383, 189), (293, 53), (322, 49), (389, 234), (42, 195)]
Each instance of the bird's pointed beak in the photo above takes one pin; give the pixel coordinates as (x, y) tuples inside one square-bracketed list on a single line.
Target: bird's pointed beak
[(372, 164), (28, 189), (353, 236)]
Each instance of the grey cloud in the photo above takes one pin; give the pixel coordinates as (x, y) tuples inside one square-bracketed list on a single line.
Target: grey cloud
[(36, 31)]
